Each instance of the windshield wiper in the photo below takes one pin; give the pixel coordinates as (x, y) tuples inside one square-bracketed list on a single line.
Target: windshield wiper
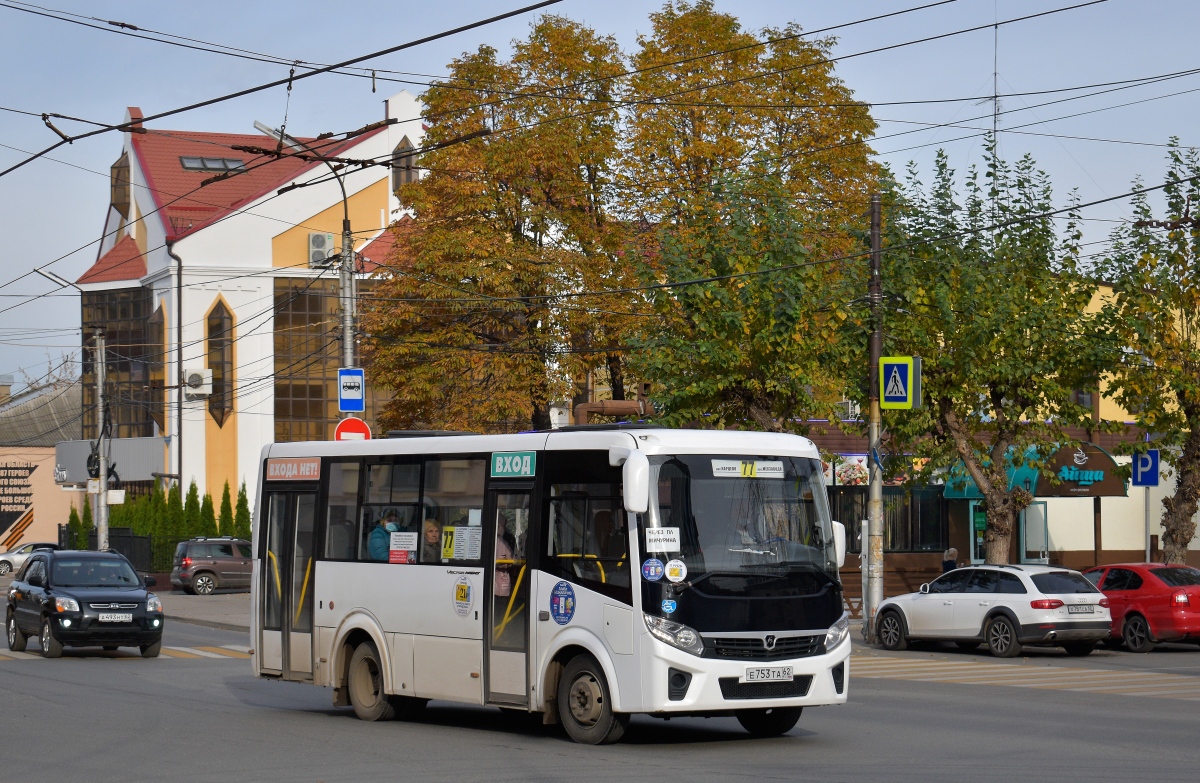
[(753, 551)]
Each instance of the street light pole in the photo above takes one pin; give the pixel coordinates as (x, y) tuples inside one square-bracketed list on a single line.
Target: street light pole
[(102, 447), (874, 595)]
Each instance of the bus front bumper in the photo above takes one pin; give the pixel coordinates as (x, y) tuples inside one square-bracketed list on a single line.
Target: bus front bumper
[(677, 682)]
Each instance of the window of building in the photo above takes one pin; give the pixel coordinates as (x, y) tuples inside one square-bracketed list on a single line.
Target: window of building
[(404, 165), (211, 164), (130, 358), (220, 361), (914, 520), (119, 180)]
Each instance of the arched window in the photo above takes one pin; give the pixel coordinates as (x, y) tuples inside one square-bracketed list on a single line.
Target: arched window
[(220, 361), (404, 165)]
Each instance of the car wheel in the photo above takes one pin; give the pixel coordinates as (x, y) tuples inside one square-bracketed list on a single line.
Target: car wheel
[(365, 683), (16, 637), (5, 567), (151, 650), (1079, 649), (51, 647), (891, 631), (1002, 639), (204, 583), (585, 706), (1137, 634), (769, 722), (967, 646)]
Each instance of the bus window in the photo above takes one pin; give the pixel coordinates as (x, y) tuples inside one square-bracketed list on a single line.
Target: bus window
[(453, 501), (391, 507), (588, 541), (342, 494)]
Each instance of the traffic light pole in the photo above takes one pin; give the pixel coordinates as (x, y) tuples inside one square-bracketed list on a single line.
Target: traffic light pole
[(874, 560), (101, 445)]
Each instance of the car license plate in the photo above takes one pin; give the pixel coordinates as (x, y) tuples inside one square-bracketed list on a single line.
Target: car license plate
[(1080, 609), (116, 617), (767, 674)]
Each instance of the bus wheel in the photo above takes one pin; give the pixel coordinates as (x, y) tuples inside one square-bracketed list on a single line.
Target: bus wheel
[(769, 723), (584, 705), (365, 681)]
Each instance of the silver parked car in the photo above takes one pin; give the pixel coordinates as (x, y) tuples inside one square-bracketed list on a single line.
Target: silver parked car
[(12, 560)]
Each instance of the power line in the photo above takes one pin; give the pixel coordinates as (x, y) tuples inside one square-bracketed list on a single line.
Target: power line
[(297, 77)]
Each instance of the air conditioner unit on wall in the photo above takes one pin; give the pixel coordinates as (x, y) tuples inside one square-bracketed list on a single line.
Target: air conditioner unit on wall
[(197, 383), (321, 251)]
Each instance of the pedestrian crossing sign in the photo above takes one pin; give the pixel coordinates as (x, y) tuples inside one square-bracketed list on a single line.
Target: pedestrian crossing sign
[(900, 382)]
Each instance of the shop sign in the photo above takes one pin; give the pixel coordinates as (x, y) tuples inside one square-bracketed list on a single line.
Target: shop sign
[(1082, 470)]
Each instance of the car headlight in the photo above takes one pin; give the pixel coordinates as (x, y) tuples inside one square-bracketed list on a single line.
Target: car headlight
[(153, 603), (65, 604), (838, 632), (675, 634)]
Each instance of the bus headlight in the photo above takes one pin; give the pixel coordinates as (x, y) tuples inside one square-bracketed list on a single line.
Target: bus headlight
[(838, 632), (675, 634)]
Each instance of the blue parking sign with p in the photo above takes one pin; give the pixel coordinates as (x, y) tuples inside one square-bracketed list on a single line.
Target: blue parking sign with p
[(1145, 469)]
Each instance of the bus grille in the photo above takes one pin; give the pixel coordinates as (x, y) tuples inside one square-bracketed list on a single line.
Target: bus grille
[(751, 649), (732, 689)]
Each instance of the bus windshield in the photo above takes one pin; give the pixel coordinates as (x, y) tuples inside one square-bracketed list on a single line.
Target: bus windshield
[(739, 515)]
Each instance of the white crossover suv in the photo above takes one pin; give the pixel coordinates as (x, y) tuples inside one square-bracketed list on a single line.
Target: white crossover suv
[(1003, 607)]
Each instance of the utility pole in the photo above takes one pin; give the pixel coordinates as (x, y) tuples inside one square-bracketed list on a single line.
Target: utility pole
[(347, 294), (874, 596), (102, 447)]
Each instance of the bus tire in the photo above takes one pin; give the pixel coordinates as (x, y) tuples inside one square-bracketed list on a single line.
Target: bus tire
[(769, 722), (364, 680), (585, 706)]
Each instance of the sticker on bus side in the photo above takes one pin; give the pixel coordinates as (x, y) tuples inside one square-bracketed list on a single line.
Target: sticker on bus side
[(662, 539), (514, 464), (747, 468), (464, 596), (562, 603), (294, 469)]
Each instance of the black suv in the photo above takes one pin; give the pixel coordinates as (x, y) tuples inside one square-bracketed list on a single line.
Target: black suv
[(83, 599), (204, 564)]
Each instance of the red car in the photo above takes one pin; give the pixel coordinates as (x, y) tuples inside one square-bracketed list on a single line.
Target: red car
[(1150, 602)]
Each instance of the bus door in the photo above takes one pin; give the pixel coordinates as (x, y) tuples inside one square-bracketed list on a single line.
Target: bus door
[(507, 639), (287, 572)]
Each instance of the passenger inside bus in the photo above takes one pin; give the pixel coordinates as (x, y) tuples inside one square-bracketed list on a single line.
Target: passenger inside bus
[(431, 541), (381, 534)]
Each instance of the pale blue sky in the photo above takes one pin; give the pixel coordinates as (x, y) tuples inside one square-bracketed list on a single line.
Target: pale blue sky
[(51, 209)]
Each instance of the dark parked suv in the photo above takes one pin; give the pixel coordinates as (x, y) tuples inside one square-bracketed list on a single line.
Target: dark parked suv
[(83, 599), (204, 564)]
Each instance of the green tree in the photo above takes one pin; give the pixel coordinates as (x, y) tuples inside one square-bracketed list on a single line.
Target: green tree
[(173, 526), (225, 521), (208, 519), (87, 525), (1154, 313), (241, 516), (993, 300), (191, 512), (75, 537), (743, 350)]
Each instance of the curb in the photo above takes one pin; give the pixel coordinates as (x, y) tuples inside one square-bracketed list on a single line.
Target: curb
[(210, 624)]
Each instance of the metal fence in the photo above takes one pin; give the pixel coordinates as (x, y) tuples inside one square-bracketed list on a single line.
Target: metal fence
[(147, 554)]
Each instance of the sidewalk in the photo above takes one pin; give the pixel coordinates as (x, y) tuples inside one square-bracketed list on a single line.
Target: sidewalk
[(230, 611)]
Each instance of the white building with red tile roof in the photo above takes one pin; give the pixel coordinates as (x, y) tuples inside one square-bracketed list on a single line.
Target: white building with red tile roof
[(206, 267)]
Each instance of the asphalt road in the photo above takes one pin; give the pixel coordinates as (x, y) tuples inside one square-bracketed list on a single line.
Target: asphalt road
[(201, 716)]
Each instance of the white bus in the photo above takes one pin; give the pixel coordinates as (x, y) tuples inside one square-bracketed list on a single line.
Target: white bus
[(586, 574)]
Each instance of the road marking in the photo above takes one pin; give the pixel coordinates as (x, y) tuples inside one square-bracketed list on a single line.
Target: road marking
[(1117, 682), (177, 652), (198, 652), (238, 647), (13, 655), (223, 651)]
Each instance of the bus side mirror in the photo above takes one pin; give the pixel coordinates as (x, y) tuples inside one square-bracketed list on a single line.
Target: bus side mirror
[(839, 543), (635, 482)]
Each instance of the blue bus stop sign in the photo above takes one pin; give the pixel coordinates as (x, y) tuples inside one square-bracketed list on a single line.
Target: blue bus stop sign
[(352, 387), (1145, 469)]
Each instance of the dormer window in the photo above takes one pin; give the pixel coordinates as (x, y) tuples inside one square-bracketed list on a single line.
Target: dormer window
[(211, 164), (119, 176), (404, 165)]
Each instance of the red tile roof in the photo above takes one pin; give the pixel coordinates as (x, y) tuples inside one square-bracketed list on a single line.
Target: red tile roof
[(123, 262), (376, 252), (185, 207)]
